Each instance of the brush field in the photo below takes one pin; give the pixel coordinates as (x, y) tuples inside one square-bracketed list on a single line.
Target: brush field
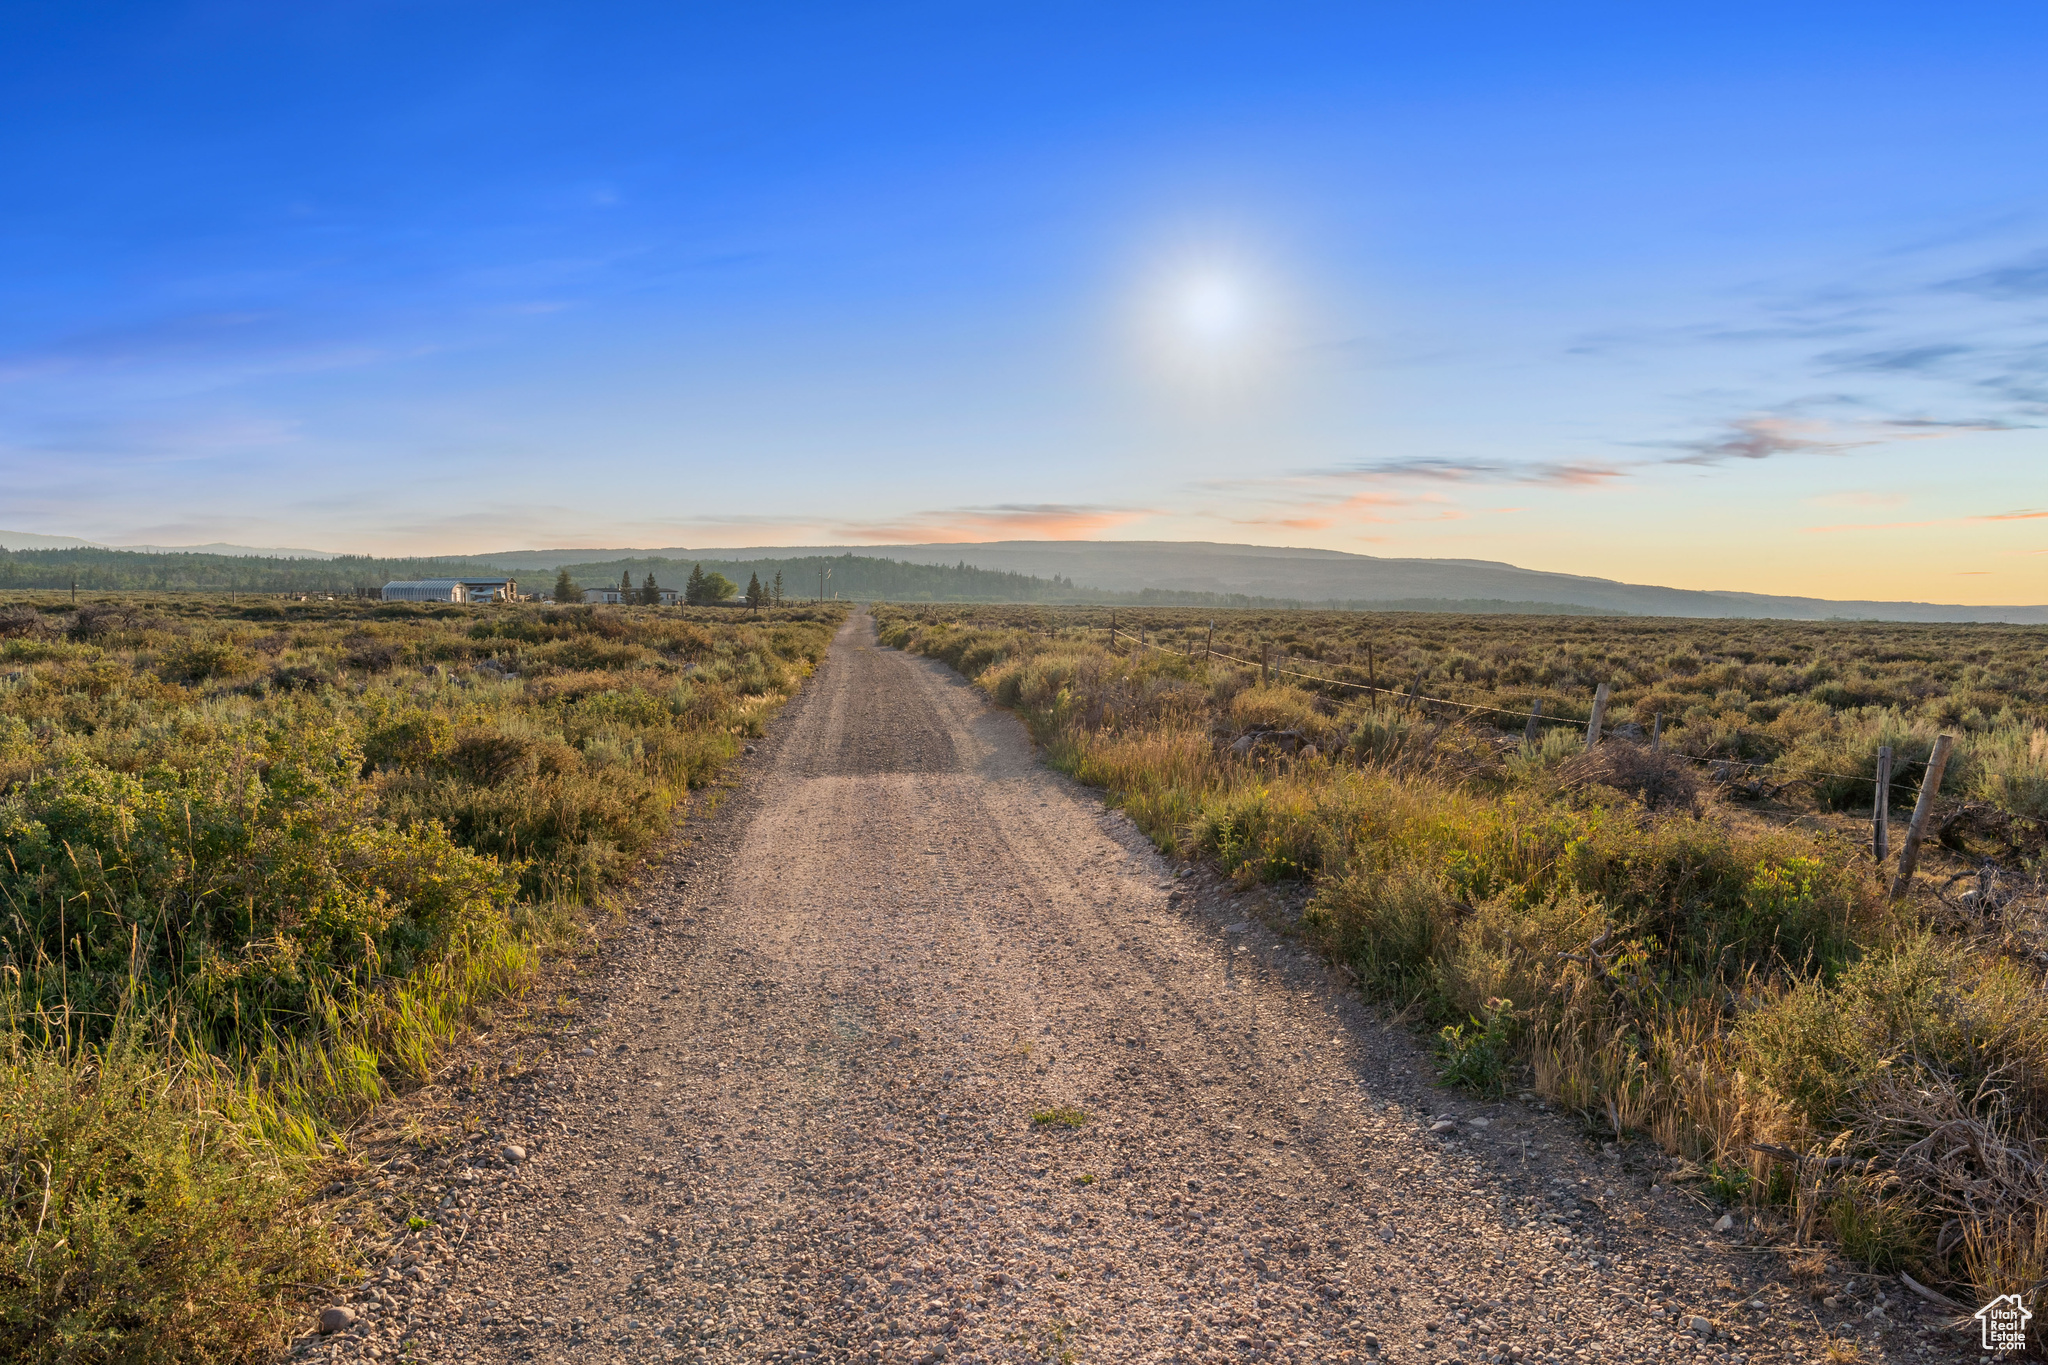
[(1689, 942), (261, 863)]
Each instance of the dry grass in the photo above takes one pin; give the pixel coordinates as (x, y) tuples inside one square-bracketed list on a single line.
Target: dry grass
[(1610, 929), (260, 866)]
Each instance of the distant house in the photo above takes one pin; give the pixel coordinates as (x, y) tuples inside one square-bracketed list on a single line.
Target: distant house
[(491, 589), (427, 590), (669, 596)]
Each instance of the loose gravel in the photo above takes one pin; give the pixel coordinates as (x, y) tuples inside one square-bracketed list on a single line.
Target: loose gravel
[(920, 1054)]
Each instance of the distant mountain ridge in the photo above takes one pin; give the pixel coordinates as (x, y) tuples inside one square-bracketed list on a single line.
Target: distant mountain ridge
[(1071, 571), (28, 540), (1296, 574)]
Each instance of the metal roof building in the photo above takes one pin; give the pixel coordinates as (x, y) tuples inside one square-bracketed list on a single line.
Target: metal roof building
[(427, 590)]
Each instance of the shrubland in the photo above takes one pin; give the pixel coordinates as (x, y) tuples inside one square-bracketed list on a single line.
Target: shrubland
[(1687, 941), (258, 865)]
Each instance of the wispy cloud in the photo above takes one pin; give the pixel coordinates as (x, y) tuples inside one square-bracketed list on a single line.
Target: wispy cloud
[(1762, 437), (2015, 281), (1003, 521), (1552, 474), (1937, 521), (1758, 438), (1920, 359)]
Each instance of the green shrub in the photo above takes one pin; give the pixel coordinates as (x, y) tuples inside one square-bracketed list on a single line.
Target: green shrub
[(1479, 1055), (232, 916), (143, 1223)]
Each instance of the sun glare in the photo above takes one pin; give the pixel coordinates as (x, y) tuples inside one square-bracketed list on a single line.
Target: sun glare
[(1209, 327), (1212, 309)]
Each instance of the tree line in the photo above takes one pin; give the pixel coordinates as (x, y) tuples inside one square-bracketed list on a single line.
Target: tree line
[(700, 590), (770, 581)]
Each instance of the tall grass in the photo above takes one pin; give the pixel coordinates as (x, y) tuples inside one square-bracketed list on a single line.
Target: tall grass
[(1593, 928), (257, 868)]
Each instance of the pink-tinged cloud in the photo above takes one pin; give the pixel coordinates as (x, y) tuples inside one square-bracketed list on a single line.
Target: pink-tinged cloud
[(1007, 521), (1939, 521), (1322, 511), (1548, 474), (1759, 438), (1288, 523)]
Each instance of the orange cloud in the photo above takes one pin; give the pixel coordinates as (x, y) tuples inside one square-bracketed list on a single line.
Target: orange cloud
[(1938, 521), (1008, 521), (1291, 523)]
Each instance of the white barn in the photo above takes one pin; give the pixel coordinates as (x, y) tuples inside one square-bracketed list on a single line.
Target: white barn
[(427, 590)]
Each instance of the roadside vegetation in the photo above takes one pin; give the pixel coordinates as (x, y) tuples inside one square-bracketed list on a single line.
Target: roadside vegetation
[(259, 865), (1686, 940)]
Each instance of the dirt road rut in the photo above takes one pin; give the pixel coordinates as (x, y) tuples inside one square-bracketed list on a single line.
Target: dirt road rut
[(823, 1112)]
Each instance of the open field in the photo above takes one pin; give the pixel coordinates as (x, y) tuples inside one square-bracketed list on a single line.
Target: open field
[(1690, 946), (916, 1053), (261, 863)]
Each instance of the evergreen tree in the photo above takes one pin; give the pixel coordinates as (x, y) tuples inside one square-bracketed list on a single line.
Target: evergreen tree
[(693, 591), (650, 592), (566, 590), (754, 593), (777, 589), (626, 586)]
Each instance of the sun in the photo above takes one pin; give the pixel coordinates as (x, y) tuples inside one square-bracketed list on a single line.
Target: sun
[(1209, 326), (1213, 310)]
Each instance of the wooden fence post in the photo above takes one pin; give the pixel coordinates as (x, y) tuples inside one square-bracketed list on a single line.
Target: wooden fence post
[(1529, 730), (1909, 856), (1881, 806), (1657, 733), (1265, 662), (1209, 645), (1372, 673), (1599, 714)]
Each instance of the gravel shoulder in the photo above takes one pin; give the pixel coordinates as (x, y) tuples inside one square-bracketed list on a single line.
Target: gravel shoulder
[(918, 1053)]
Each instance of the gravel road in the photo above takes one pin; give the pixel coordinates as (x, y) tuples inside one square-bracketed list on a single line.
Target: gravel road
[(918, 1053)]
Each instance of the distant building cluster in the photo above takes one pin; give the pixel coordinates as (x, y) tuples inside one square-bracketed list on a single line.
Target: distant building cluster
[(616, 596), (452, 590)]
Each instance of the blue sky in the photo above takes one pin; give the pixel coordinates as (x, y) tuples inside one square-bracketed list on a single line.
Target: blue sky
[(1740, 298)]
